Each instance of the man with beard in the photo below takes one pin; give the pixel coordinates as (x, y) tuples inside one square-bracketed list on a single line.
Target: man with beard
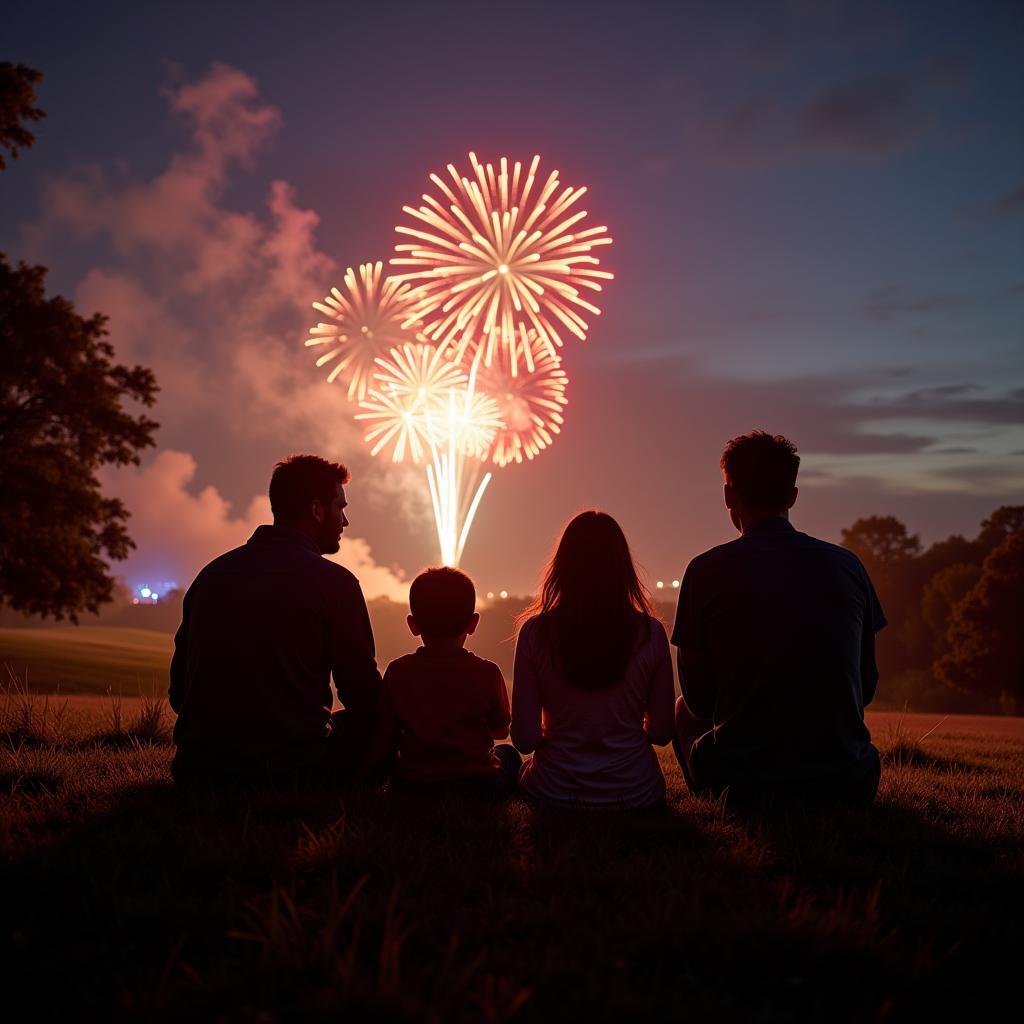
[(264, 627)]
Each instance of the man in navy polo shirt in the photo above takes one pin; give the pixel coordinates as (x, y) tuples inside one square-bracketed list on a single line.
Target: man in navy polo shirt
[(264, 628), (776, 648)]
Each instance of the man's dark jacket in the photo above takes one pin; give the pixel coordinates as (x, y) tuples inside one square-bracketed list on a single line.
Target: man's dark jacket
[(776, 637), (263, 628)]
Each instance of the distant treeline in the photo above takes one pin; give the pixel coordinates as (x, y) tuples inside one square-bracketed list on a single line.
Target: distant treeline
[(955, 639)]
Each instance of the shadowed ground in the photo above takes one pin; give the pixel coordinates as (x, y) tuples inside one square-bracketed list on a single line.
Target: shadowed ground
[(125, 898)]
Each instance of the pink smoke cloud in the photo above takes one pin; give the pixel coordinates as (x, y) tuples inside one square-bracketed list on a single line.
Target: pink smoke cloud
[(177, 531)]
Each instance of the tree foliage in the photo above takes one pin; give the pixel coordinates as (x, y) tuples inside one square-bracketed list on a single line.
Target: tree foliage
[(1005, 520), (881, 542), (62, 416), (17, 106), (986, 642), (920, 590), (942, 593)]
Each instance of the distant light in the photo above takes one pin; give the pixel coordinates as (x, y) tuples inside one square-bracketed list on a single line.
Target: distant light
[(135, 600), (490, 595), (660, 584), (504, 594), (675, 583), (145, 592), (153, 594)]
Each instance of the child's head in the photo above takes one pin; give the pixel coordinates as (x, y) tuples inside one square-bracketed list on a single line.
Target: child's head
[(443, 605)]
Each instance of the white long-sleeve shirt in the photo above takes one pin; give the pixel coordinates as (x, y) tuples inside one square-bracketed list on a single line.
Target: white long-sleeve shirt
[(593, 746)]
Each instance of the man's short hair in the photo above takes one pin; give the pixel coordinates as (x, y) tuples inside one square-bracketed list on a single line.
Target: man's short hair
[(442, 602), (300, 480), (761, 468)]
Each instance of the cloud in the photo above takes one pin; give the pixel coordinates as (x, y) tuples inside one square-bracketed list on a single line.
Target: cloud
[(1011, 202), (891, 302), (954, 403), (871, 117), (866, 117), (215, 300), (177, 532)]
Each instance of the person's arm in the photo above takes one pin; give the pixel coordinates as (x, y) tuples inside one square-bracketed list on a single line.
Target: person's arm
[(353, 656), (387, 731), (874, 620), (499, 714), (696, 678), (179, 660), (526, 705), (660, 723)]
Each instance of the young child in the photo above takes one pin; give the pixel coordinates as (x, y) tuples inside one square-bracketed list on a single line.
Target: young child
[(442, 707)]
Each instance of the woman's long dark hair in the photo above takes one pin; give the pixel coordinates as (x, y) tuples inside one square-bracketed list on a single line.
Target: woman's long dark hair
[(592, 606)]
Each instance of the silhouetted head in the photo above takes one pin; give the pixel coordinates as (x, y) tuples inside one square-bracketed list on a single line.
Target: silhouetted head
[(443, 605), (760, 477), (307, 493), (592, 605)]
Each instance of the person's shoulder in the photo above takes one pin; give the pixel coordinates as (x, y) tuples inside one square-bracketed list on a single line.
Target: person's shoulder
[(714, 556), (655, 624), (529, 628), (481, 666), (402, 666), (654, 633), (227, 560), (827, 549), (336, 577)]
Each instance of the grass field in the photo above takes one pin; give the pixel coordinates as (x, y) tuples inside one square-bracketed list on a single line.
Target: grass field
[(126, 899), (88, 659)]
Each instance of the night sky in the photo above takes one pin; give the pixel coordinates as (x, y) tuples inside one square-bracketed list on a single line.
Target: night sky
[(818, 214)]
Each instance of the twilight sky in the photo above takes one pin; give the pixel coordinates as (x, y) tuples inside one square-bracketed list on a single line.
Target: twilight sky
[(818, 214)]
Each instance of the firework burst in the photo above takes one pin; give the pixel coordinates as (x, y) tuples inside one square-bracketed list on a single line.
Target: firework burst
[(499, 256), (408, 399), (530, 403), (366, 320)]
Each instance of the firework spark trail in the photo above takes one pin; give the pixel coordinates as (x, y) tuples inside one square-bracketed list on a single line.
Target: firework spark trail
[(500, 260), (367, 319), (427, 406)]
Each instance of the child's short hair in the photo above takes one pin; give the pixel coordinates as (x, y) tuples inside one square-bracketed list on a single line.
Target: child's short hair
[(442, 602)]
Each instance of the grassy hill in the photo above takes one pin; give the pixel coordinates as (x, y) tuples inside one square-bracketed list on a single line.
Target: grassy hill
[(127, 899), (88, 659)]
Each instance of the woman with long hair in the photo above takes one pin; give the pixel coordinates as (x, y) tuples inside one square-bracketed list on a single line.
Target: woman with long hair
[(592, 684)]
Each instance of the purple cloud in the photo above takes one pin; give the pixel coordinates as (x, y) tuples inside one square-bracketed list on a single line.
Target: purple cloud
[(872, 117)]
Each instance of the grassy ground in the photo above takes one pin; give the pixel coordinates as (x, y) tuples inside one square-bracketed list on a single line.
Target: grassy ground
[(88, 659), (123, 898)]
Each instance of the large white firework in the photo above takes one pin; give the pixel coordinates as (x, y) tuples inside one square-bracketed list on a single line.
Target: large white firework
[(408, 399), (497, 256)]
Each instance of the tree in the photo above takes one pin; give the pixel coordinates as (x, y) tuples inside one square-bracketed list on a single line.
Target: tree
[(62, 417), (17, 105), (986, 642), (941, 595), (881, 542), (1005, 520)]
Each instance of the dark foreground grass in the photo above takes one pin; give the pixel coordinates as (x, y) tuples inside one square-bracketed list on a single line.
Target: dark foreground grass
[(125, 899)]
